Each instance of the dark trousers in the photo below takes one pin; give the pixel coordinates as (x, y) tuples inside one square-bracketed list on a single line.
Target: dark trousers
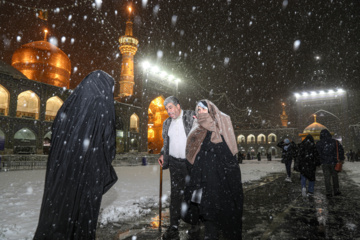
[(178, 172), (330, 175), (288, 167), (211, 230)]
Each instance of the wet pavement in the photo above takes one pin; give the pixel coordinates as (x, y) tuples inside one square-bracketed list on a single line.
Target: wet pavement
[(273, 209)]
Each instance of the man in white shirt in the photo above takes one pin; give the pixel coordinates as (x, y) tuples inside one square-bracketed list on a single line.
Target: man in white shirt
[(175, 131)]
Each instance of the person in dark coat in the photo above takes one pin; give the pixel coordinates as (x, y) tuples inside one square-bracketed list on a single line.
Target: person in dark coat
[(215, 177), (288, 153), (258, 156), (330, 150), (79, 169), (240, 157), (308, 159)]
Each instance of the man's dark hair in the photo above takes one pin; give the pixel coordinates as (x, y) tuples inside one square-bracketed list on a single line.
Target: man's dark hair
[(172, 100)]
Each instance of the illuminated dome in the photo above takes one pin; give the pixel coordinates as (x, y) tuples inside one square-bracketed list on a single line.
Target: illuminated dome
[(43, 62), (314, 128)]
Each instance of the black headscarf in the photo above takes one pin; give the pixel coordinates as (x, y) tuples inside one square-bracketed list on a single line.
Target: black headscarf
[(79, 169)]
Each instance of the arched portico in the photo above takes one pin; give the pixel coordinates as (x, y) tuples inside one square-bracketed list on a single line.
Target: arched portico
[(157, 115)]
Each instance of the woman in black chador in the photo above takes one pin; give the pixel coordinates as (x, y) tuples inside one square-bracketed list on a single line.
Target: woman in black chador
[(214, 192), (79, 169)]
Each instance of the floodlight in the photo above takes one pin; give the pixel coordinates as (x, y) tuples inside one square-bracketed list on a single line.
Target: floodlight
[(163, 74), (146, 65), (331, 91), (155, 69), (313, 93), (305, 94), (171, 77)]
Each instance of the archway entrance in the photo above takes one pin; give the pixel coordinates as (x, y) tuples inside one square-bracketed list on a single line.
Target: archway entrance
[(24, 141), (157, 115)]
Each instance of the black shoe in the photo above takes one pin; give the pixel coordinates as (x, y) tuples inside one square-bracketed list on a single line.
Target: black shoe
[(329, 195), (337, 194), (172, 233)]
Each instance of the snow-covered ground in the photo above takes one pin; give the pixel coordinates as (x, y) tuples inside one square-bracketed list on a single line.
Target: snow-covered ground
[(131, 197)]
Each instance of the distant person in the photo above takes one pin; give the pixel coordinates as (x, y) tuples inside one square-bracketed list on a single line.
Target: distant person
[(308, 159), (240, 157), (215, 178), (248, 156), (351, 155), (329, 150), (258, 156), (176, 129), (288, 153), (79, 169), (269, 156), (348, 156)]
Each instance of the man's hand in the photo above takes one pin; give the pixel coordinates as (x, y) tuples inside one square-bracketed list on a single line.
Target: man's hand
[(161, 160)]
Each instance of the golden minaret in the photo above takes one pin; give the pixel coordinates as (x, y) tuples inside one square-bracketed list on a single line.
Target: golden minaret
[(128, 48), (284, 117)]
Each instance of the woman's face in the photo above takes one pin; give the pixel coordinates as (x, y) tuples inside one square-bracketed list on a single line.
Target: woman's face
[(202, 110)]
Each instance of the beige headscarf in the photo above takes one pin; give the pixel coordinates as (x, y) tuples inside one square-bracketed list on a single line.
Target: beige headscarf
[(215, 121)]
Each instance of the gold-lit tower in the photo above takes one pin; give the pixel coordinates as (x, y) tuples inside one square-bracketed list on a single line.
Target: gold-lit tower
[(128, 48), (284, 117)]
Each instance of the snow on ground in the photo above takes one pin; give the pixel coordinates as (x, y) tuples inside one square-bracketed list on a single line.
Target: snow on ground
[(134, 194)]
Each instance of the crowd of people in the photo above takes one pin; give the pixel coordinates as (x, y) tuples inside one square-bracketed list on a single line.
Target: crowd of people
[(308, 155), (200, 151)]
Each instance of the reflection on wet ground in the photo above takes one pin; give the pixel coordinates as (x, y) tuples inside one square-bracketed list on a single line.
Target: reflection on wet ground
[(273, 209)]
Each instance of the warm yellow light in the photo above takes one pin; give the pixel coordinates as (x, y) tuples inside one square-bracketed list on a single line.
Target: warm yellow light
[(130, 9)]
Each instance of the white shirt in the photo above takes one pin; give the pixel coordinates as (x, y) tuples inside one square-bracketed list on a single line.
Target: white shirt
[(177, 137)]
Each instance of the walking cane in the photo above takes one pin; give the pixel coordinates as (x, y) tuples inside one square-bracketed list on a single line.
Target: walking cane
[(160, 195)]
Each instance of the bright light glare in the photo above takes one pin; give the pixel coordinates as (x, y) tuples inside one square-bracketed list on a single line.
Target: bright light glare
[(322, 92), (313, 93), (155, 69), (331, 91), (178, 80), (171, 77), (146, 65), (340, 90), (163, 74), (305, 94), (297, 95)]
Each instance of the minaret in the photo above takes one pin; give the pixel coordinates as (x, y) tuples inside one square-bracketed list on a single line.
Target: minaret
[(128, 48), (284, 117)]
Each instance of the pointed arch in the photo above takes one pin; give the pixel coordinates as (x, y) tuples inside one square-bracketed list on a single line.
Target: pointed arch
[(53, 105), (28, 105), (134, 123), (157, 115), (241, 139), (4, 101), (251, 138), (272, 138), (25, 134), (261, 138)]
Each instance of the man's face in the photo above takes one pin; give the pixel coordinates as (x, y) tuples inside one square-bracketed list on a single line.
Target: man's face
[(172, 110)]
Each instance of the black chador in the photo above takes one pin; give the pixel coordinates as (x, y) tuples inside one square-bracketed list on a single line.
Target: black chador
[(79, 169)]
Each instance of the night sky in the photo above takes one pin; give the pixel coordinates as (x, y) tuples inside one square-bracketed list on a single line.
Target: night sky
[(240, 54)]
